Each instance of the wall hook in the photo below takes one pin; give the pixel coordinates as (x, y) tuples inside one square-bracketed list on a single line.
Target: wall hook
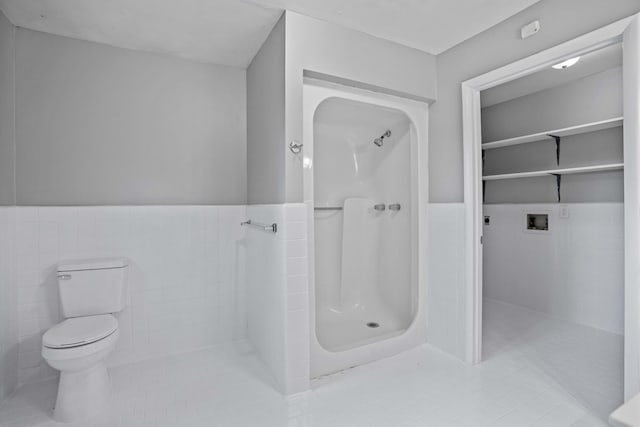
[(295, 147)]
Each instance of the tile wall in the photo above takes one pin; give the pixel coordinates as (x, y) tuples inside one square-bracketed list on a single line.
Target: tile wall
[(277, 294), (574, 271), (186, 275), (446, 283)]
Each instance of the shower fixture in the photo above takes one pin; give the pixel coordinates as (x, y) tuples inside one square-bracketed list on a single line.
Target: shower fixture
[(380, 140)]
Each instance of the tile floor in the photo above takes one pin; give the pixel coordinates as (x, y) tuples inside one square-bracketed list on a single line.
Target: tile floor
[(538, 372)]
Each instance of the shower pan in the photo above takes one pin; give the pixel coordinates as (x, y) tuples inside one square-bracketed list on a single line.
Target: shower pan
[(365, 187)]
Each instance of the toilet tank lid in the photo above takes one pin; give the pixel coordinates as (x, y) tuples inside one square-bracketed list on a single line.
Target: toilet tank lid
[(93, 264)]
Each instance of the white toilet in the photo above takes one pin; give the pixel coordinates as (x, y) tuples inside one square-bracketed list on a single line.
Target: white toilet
[(90, 290)]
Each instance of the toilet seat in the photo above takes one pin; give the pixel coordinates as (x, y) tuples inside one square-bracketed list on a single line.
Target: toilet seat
[(86, 352), (80, 331)]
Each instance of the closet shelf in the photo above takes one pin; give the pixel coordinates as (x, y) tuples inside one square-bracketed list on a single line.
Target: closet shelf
[(565, 171), (547, 135)]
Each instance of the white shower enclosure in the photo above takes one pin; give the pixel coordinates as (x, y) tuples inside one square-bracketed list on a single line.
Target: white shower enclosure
[(365, 188)]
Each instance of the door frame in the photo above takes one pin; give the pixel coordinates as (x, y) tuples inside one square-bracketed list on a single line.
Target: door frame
[(472, 151)]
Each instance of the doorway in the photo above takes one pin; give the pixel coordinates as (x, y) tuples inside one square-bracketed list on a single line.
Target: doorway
[(625, 32), (553, 237)]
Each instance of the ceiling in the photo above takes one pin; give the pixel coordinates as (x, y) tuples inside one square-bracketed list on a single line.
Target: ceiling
[(592, 63), (429, 25), (230, 32)]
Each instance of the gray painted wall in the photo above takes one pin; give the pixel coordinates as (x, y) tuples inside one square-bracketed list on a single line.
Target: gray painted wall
[(7, 112), (596, 97), (265, 120), (103, 125), (592, 98), (498, 46)]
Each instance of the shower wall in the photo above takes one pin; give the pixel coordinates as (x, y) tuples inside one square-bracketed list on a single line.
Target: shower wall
[(349, 165)]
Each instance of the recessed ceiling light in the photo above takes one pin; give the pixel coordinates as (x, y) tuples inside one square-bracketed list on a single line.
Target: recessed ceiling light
[(566, 64)]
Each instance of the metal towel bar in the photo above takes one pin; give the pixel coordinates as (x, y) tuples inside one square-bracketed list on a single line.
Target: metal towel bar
[(379, 207), (327, 208), (265, 227)]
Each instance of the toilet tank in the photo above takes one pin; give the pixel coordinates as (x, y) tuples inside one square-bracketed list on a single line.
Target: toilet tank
[(92, 286)]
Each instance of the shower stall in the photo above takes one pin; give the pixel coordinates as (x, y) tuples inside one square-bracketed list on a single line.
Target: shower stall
[(365, 187)]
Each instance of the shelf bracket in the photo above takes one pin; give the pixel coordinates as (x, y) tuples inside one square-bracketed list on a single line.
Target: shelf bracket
[(558, 139), (484, 190), (484, 183), (558, 183)]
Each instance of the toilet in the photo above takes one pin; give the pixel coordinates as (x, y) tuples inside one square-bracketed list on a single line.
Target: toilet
[(90, 292)]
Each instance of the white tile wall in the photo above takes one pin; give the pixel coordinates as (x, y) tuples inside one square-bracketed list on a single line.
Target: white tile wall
[(186, 280), (297, 293), (8, 304), (574, 272), (277, 294), (446, 324), (266, 289)]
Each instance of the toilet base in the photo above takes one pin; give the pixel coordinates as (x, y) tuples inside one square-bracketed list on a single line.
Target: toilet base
[(82, 394)]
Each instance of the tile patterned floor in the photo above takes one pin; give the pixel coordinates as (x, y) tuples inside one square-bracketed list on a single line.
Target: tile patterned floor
[(538, 372)]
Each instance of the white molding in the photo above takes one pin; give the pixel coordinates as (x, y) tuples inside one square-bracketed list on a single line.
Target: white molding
[(631, 82), (473, 214), (472, 153)]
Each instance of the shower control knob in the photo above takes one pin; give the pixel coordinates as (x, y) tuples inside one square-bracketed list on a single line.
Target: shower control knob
[(379, 207), (394, 207)]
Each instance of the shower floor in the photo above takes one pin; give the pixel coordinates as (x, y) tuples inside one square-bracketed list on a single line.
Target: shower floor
[(343, 329)]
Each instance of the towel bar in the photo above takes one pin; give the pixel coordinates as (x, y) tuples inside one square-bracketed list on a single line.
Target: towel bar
[(327, 208), (265, 227)]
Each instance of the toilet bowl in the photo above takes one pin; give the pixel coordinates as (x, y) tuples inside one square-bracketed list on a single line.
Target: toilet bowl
[(78, 347)]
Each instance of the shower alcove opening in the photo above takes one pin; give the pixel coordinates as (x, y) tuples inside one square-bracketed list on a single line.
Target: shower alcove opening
[(365, 188)]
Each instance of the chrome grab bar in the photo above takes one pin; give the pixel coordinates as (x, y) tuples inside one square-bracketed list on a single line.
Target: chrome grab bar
[(265, 227)]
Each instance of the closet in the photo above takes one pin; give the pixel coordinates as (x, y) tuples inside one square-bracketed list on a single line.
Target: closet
[(553, 237)]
